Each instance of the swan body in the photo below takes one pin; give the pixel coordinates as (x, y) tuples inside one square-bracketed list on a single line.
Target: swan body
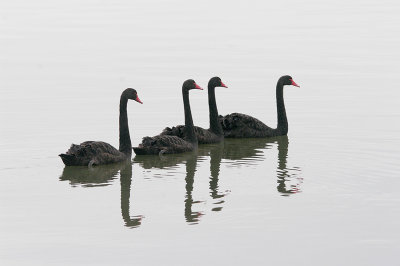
[(204, 136), (215, 133), (237, 125), (163, 144), (91, 153), (166, 144)]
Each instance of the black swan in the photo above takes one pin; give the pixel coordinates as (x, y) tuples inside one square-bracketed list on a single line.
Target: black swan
[(164, 144), (204, 136), (238, 125), (97, 152)]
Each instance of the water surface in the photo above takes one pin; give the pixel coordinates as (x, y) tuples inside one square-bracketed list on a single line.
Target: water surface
[(326, 193)]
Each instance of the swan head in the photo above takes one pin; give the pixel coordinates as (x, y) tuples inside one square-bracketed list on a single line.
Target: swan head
[(190, 84), (216, 82), (132, 95), (288, 80)]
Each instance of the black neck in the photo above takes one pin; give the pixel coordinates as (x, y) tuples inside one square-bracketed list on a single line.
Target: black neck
[(190, 135), (280, 105), (125, 144), (215, 126)]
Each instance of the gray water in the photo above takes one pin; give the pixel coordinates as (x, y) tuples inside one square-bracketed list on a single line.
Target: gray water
[(327, 194)]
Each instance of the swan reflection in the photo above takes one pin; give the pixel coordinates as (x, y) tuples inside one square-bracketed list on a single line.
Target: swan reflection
[(289, 179), (245, 151), (104, 175), (214, 151), (231, 153), (126, 181), (252, 152), (173, 160), (191, 217)]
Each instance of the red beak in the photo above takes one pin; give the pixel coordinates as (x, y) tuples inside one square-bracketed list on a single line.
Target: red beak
[(294, 83), (223, 85), (138, 100), (198, 87)]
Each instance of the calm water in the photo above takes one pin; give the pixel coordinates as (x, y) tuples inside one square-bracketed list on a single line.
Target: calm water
[(327, 194)]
